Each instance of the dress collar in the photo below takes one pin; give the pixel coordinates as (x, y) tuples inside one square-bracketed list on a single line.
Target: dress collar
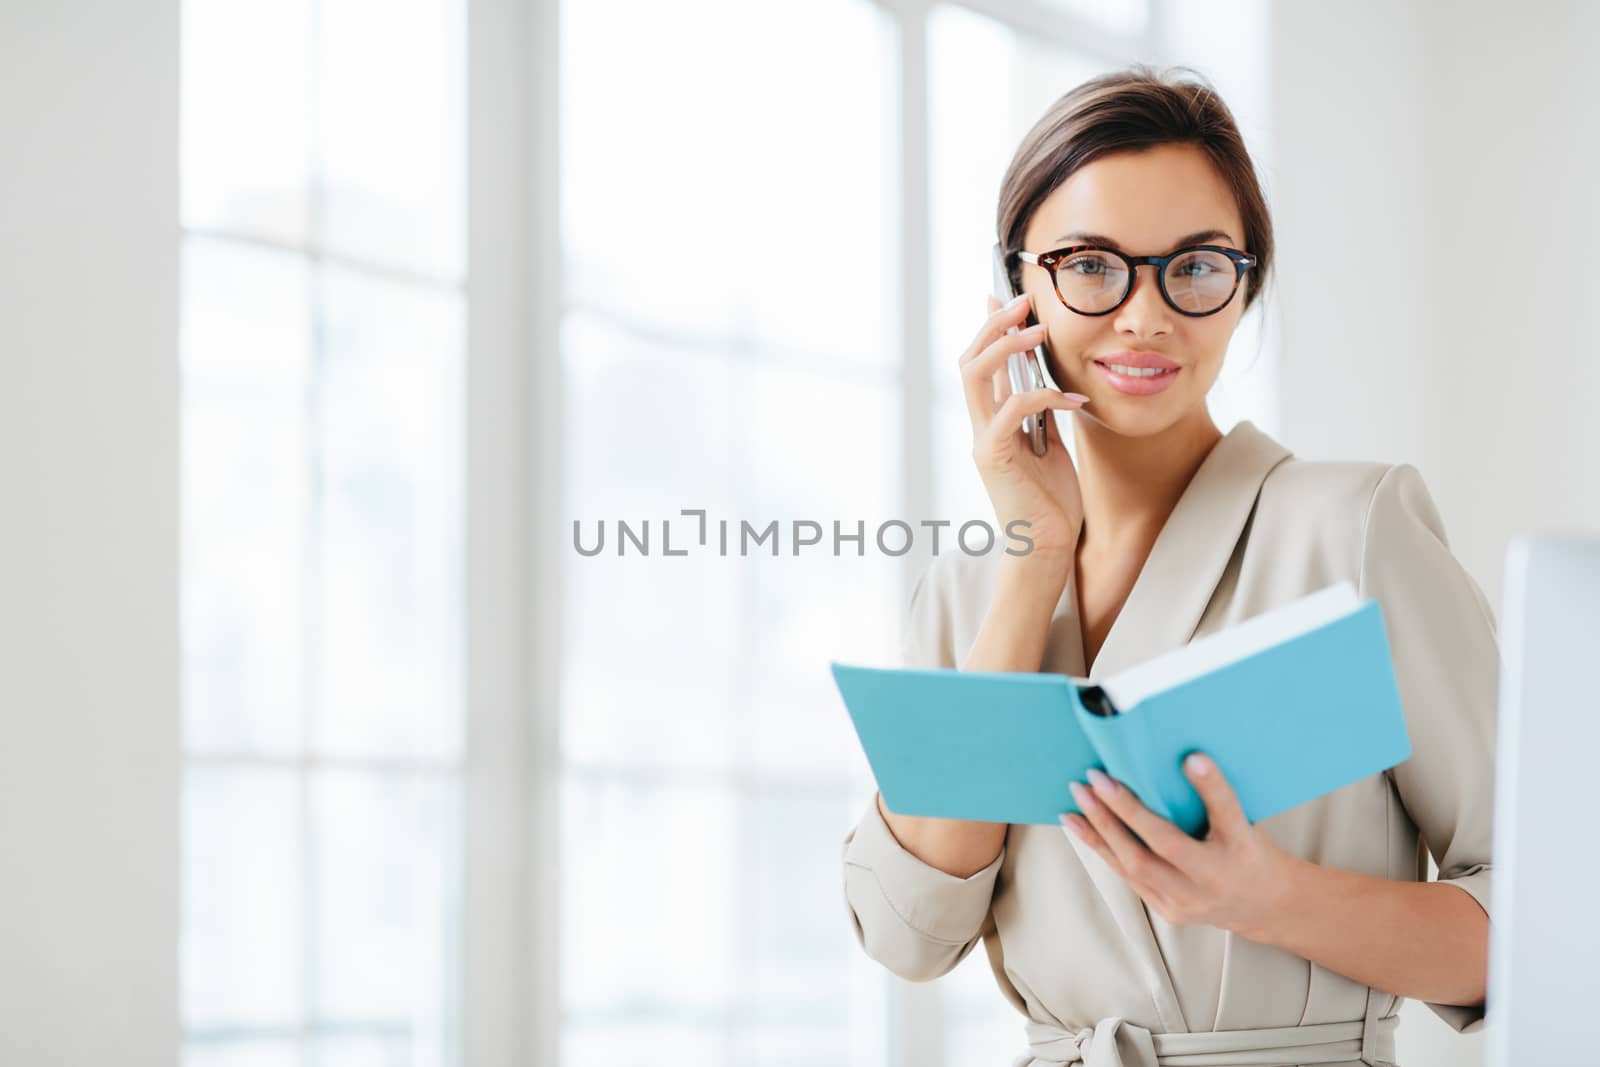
[(1187, 561)]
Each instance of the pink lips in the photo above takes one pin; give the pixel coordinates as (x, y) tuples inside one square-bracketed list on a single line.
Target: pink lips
[(1143, 385)]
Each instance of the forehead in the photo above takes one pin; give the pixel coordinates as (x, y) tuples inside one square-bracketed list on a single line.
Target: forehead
[(1143, 200)]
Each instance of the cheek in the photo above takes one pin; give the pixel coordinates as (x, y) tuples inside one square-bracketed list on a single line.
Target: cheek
[(1210, 345), (1070, 340)]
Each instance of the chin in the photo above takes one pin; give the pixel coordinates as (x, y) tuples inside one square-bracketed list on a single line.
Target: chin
[(1137, 416)]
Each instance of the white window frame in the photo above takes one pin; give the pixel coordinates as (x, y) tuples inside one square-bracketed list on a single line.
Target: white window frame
[(510, 930)]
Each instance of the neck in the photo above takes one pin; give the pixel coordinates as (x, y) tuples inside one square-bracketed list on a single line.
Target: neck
[(1131, 484)]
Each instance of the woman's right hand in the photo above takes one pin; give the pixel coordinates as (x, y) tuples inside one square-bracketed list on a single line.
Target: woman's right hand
[(1041, 491)]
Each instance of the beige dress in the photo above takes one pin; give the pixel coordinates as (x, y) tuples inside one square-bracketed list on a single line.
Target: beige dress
[(1105, 981)]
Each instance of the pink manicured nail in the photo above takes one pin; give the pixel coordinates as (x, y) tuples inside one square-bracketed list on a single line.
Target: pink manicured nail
[(1198, 764), (1102, 784), (1082, 796), (1072, 824)]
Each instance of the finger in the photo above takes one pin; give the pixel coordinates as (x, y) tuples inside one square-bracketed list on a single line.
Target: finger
[(1158, 834), (980, 375), (993, 358), (1137, 863), (1223, 810), (1007, 419)]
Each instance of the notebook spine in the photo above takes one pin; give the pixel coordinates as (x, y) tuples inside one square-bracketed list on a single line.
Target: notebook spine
[(1097, 701)]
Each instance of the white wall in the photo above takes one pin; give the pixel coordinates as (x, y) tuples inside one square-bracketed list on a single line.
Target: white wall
[(88, 532), (1348, 175), (1461, 139), (1513, 235)]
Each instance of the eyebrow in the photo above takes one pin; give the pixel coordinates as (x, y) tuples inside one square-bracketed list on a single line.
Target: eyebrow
[(1101, 239)]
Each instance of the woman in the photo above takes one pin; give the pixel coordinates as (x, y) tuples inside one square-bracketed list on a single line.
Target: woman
[(1287, 942)]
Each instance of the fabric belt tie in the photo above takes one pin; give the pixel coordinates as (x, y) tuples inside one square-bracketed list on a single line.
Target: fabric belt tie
[(1115, 1042)]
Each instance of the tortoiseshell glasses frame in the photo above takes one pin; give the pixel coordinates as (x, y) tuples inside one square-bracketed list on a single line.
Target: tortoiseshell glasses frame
[(1051, 260)]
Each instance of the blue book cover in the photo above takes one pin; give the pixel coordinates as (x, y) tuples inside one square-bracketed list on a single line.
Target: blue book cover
[(1292, 704)]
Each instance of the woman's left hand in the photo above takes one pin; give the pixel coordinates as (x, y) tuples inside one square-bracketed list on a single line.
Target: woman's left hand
[(1235, 879)]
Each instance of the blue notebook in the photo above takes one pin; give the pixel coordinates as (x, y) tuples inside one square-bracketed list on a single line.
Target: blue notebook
[(1292, 703)]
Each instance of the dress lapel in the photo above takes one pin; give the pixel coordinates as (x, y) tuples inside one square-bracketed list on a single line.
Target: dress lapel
[(1192, 550), (1162, 610)]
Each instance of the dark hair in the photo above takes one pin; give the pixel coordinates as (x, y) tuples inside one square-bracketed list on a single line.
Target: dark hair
[(1132, 110)]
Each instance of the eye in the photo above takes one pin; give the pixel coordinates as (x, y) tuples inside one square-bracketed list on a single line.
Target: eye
[(1200, 265)]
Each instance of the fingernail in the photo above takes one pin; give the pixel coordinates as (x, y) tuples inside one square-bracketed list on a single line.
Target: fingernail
[(1076, 396), (1081, 796), (1071, 824), (1020, 298), (1198, 764), (1102, 784)]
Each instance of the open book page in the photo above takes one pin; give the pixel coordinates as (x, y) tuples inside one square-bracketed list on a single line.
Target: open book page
[(1205, 654)]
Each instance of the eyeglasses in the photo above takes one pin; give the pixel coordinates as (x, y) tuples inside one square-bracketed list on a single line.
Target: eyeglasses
[(1198, 280)]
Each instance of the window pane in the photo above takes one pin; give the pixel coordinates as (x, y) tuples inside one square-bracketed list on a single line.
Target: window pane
[(721, 358), (642, 686), (242, 1053), (660, 1043), (651, 424), (798, 948), (721, 184), (246, 106), (376, 1051), (390, 431), (648, 637), (806, 612), (323, 507), (815, 606), (393, 144), (385, 912), (1118, 16), (812, 445), (761, 967), (798, 1043), (245, 494), (242, 939), (650, 889)]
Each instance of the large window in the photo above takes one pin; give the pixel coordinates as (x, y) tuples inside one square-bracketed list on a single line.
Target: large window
[(322, 634)]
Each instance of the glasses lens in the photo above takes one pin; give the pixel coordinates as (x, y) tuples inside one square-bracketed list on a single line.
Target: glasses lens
[(1200, 281), (1092, 281)]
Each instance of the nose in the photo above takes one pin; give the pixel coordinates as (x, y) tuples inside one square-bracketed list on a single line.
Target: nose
[(1145, 313)]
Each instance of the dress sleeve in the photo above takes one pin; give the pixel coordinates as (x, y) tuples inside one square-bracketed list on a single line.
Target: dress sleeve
[(916, 920), (1446, 656)]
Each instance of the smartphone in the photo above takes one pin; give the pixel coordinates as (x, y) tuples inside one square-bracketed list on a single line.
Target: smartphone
[(1023, 368)]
